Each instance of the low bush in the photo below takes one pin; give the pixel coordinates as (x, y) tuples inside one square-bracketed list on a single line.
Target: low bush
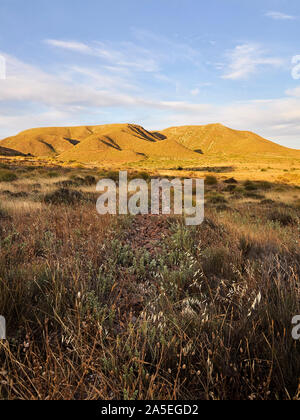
[(7, 176), (283, 216), (211, 180), (3, 213), (231, 181), (230, 188), (254, 195), (264, 185), (53, 174), (250, 186), (64, 196), (217, 199)]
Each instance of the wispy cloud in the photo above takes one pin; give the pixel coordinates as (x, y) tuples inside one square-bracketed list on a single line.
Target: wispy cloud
[(125, 54), (57, 100), (138, 82), (246, 59), (279, 16), (62, 95), (70, 45), (169, 49)]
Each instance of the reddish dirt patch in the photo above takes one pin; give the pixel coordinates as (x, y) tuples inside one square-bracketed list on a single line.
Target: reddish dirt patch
[(148, 231)]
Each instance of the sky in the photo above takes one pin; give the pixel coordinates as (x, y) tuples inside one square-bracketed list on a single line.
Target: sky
[(157, 63)]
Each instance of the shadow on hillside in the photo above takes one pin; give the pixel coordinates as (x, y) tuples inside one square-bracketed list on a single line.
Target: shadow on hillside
[(214, 169)]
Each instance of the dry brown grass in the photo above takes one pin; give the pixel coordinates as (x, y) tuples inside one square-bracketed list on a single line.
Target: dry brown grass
[(147, 308)]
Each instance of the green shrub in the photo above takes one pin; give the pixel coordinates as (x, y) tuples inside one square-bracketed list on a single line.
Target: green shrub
[(216, 260), (89, 180), (250, 186), (64, 196), (211, 180), (4, 166), (217, 199), (254, 195), (267, 202), (230, 188), (3, 213), (7, 176), (78, 180), (297, 204), (222, 207), (231, 181), (53, 174), (283, 216), (114, 175), (265, 185)]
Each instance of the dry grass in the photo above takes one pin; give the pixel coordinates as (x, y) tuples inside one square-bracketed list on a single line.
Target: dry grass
[(147, 308)]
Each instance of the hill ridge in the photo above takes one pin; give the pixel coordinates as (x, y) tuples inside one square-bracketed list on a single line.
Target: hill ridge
[(130, 142)]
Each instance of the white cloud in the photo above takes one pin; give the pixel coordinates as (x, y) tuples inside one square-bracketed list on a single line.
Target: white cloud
[(247, 59), (70, 45), (56, 98), (126, 54), (279, 16), (26, 83), (181, 106), (32, 97)]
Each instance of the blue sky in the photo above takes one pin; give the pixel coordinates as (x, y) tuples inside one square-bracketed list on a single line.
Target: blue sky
[(157, 63)]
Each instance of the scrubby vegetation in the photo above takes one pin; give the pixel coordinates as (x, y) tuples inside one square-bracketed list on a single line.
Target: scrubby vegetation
[(7, 176), (100, 307)]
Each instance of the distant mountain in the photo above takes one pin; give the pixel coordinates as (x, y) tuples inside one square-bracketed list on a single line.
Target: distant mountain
[(124, 143)]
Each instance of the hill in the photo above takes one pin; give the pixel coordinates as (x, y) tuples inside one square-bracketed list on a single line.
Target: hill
[(125, 143), (118, 143), (42, 142), (217, 139)]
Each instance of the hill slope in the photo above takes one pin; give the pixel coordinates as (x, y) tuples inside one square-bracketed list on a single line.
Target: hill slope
[(124, 143), (218, 139), (46, 142), (4, 151), (105, 143)]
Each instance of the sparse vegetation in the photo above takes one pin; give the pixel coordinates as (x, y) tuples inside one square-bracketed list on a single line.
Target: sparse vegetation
[(147, 308), (250, 186), (64, 196), (284, 217), (216, 199), (7, 176), (211, 180)]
